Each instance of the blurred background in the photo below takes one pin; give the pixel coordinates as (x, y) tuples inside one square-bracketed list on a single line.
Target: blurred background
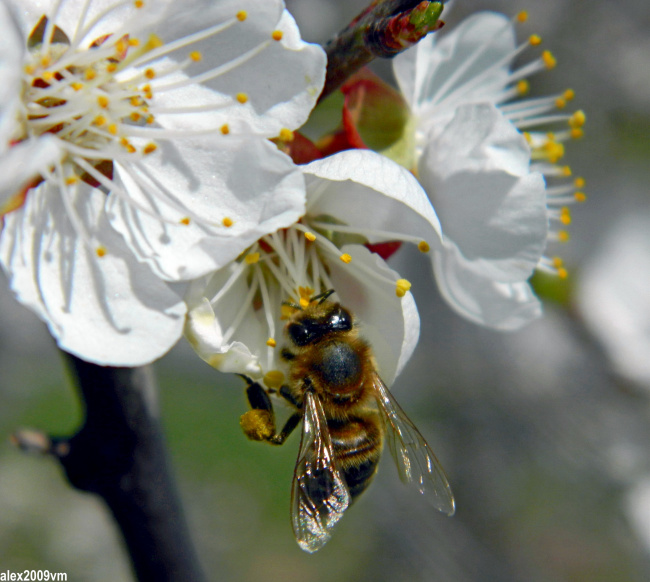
[(544, 433)]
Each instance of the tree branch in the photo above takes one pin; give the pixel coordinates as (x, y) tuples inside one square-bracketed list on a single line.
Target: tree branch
[(383, 29), (119, 454)]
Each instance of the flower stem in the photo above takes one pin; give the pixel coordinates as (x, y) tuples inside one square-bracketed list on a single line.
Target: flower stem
[(384, 29), (120, 454)]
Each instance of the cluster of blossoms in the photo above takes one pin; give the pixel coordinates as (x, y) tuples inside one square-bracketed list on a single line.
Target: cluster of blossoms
[(142, 197)]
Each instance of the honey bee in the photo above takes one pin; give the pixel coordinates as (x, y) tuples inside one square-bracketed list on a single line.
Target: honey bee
[(346, 411)]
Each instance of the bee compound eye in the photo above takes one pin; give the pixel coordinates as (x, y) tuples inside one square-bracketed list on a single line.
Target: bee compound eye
[(340, 320), (299, 334)]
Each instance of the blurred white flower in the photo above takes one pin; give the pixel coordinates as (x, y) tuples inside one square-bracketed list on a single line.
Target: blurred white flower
[(614, 296), (484, 174), (353, 198), (148, 119)]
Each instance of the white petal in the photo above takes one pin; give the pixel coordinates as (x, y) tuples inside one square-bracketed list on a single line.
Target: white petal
[(246, 180), (491, 207), (369, 191), (502, 306), (436, 67), (11, 62), (391, 324), (207, 324), (24, 161), (111, 311)]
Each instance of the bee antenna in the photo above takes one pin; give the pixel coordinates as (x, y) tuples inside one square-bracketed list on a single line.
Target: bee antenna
[(292, 305), (246, 378), (323, 296)]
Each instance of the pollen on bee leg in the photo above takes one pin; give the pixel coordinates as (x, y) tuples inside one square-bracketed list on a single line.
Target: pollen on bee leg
[(401, 287), (257, 424), (273, 379)]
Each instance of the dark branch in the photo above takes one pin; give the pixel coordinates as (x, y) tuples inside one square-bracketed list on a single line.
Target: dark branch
[(119, 454), (384, 29)]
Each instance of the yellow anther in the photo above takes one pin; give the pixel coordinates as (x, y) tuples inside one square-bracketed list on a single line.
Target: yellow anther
[(401, 287), (577, 133), (579, 182), (149, 148), (227, 222), (304, 302), (135, 116), (566, 171), (528, 137), (241, 97), (557, 262), (554, 151), (225, 129), (565, 216), (346, 258), (77, 86), (154, 41), (150, 119), (580, 196), (100, 251), (562, 273), (185, 220), (535, 40), (29, 69), (252, 258), (45, 61), (560, 103), (523, 87), (102, 101), (135, 101), (522, 16), (271, 342), (112, 129), (99, 121), (578, 119), (70, 180), (273, 379), (196, 56), (242, 15), (286, 134), (149, 73), (134, 42), (111, 68), (549, 59), (423, 246), (563, 236), (310, 236), (138, 3), (89, 74), (48, 76), (550, 135), (121, 46), (569, 94), (277, 35), (146, 89)]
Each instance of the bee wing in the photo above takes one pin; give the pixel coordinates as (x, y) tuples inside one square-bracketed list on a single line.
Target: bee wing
[(319, 495), (415, 460)]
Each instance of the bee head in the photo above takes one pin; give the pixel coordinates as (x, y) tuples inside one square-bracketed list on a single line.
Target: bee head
[(310, 325)]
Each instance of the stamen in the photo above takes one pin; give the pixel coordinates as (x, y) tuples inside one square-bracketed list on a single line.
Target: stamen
[(401, 287)]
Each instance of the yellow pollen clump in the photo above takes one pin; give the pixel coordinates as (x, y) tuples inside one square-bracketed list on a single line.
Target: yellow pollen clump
[(271, 342), (549, 59), (401, 287), (310, 236), (277, 35), (102, 101), (273, 379), (579, 182), (185, 220), (227, 222), (580, 196), (242, 98), (70, 180), (99, 121), (569, 94), (225, 129), (242, 15), (154, 41), (304, 302), (89, 74), (100, 251), (522, 16), (423, 246), (149, 73), (196, 56), (346, 258), (535, 40), (286, 134), (554, 151), (523, 87), (563, 236), (578, 119), (252, 258), (112, 129), (149, 148)]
